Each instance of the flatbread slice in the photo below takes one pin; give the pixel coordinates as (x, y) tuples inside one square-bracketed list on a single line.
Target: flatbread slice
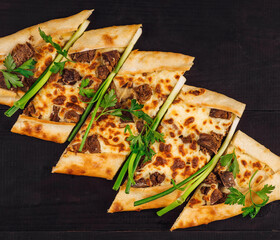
[(207, 203), (193, 129), (56, 109), (148, 77), (28, 43)]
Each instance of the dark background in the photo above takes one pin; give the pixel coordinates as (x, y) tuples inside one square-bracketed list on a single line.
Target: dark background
[(236, 45)]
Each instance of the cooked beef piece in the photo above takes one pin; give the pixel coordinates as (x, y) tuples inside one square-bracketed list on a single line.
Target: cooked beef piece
[(22, 52), (27, 83), (54, 115), (164, 147), (128, 116), (140, 125), (102, 72), (216, 113), (29, 110), (187, 139), (111, 58), (227, 179), (211, 179), (74, 106), (59, 100), (85, 56), (70, 76), (209, 141), (204, 190), (141, 183), (223, 199), (92, 144), (215, 196), (143, 93), (157, 178), (72, 116), (2, 81)]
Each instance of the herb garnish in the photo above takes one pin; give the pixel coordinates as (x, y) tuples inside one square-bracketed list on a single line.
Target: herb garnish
[(236, 197), (230, 161), (58, 66), (86, 92), (10, 76)]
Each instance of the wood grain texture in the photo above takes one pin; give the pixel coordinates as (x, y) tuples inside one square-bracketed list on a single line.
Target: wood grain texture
[(237, 50)]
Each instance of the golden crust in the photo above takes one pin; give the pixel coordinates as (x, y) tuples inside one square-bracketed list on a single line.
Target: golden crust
[(251, 147), (104, 165), (152, 61), (125, 202), (43, 129), (202, 97), (110, 37), (60, 26), (8, 97), (191, 217)]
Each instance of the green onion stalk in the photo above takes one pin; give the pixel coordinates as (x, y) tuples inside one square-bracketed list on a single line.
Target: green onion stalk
[(193, 181), (102, 90), (40, 82), (134, 158)]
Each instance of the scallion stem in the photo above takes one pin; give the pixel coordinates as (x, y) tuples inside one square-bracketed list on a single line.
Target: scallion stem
[(42, 80), (129, 182), (198, 180), (103, 88)]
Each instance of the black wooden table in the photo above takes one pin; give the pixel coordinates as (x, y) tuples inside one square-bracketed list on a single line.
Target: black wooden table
[(237, 50)]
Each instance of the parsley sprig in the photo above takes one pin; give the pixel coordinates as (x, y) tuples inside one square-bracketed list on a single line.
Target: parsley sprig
[(58, 66), (109, 101), (230, 161), (10, 73), (86, 92), (236, 197)]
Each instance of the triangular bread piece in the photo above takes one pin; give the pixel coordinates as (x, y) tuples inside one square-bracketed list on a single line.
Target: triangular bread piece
[(27, 43), (207, 203)]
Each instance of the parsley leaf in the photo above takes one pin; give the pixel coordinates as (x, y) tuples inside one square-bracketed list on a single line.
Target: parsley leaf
[(135, 105), (109, 100), (230, 161), (9, 63), (235, 197), (11, 79), (48, 39), (86, 92)]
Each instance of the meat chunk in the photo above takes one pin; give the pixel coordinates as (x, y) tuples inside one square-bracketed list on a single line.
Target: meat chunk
[(2, 81), (29, 110), (102, 72), (140, 183), (143, 93), (140, 125), (216, 113), (128, 116), (216, 196), (72, 116), (22, 52), (111, 58), (85, 56), (92, 144), (157, 178), (211, 179), (59, 100), (204, 190), (54, 115), (70, 76), (227, 179), (27, 83), (209, 141)]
